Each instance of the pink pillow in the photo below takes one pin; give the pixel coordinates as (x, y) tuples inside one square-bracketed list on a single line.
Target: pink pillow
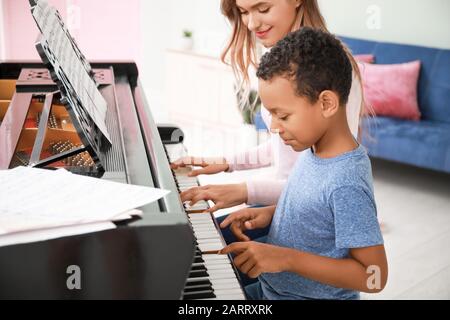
[(391, 90), (367, 58)]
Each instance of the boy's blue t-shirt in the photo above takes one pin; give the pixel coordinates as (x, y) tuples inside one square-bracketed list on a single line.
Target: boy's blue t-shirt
[(326, 209)]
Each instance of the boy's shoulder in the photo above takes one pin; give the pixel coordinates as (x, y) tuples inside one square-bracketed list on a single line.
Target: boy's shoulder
[(351, 170)]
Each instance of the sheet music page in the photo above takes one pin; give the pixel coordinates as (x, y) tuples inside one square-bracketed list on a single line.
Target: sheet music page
[(54, 33), (53, 233), (61, 232), (32, 199)]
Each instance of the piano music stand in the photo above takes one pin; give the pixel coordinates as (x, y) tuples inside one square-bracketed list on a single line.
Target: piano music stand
[(75, 80)]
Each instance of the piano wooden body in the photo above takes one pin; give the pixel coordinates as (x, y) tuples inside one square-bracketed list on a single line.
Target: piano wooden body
[(159, 256)]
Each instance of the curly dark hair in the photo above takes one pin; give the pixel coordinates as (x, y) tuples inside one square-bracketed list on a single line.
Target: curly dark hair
[(315, 59)]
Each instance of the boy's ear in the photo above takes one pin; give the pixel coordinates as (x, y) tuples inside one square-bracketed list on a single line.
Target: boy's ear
[(329, 102)]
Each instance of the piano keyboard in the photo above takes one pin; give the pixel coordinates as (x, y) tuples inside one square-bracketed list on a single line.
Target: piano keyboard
[(212, 276)]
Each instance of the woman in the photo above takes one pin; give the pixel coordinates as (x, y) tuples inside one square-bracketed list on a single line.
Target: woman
[(266, 21)]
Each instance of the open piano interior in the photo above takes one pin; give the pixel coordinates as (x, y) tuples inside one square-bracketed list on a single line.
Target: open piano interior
[(93, 119)]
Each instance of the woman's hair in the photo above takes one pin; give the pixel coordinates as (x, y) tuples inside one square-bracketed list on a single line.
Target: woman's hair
[(241, 52)]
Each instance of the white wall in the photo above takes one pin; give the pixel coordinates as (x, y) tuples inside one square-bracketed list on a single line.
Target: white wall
[(162, 26), (417, 22)]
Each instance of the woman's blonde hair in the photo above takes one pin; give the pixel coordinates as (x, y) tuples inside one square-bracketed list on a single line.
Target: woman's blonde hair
[(241, 51)]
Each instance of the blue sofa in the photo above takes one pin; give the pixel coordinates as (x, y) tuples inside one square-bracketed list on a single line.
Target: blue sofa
[(425, 143)]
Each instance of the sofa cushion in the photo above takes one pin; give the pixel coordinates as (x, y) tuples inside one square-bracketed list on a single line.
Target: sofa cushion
[(366, 58), (391, 89), (434, 80), (437, 95), (424, 144)]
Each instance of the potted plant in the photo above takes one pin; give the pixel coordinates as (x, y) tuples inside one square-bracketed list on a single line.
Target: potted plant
[(187, 41), (252, 107)]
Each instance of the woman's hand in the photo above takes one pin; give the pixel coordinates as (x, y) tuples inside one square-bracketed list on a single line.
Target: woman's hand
[(248, 219), (223, 196), (254, 258), (209, 165)]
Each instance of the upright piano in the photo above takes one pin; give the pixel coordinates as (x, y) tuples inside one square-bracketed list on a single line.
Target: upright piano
[(169, 253)]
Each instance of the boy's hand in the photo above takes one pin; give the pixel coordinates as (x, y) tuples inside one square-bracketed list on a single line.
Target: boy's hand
[(254, 258), (248, 219)]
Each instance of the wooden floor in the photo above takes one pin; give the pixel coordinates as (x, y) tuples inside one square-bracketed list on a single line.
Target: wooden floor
[(414, 208)]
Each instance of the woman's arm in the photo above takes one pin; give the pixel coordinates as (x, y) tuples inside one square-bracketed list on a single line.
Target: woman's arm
[(255, 158), (354, 105), (264, 192)]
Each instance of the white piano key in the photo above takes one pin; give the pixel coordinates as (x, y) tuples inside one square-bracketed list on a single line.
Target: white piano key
[(229, 297), (210, 247), (187, 183), (222, 275), (216, 262), (204, 230), (215, 257), (218, 267), (226, 271), (185, 177), (202, 223), (204, 236), (208, 236), (231, 286), (221, 292), (225, 282), (183, 181), (200, 216), (200, 219), (203, 226), (208, 241)]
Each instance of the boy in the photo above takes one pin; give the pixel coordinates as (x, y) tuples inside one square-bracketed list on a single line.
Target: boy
[(324, 241)]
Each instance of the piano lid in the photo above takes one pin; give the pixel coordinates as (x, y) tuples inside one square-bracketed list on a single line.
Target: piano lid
[(74, 77)]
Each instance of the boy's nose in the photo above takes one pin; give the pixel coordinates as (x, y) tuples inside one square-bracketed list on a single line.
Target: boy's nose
[(275, 128)]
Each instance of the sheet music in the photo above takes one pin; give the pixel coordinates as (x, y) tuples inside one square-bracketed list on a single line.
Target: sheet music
[(61, 232), (60, 44), (32, 199), (53, 233)]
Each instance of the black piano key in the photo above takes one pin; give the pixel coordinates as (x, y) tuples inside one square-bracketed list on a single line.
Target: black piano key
[(207, 294), (198, 273), (200, 286), (198, 267), (198, 258)]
